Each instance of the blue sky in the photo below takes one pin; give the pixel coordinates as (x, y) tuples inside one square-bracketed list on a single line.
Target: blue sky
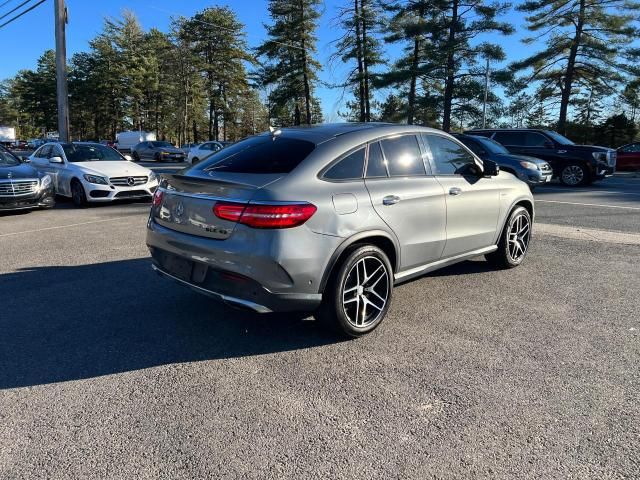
[(25, 39)]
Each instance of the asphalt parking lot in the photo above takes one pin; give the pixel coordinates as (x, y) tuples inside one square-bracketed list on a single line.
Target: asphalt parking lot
[(107, 371)]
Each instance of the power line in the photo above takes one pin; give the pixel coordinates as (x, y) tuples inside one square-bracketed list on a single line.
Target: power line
[(11, 11), (21, 13), (4, 3)]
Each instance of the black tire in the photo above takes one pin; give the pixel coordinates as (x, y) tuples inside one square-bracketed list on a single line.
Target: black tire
[(136, 157), (195, 160), (78, 195), (575, 175), (503, 257), (157, 157), (377, 289)]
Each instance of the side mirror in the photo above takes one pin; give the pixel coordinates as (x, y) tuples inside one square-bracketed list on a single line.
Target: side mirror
[(490, 168), (55, 160), (128, 157)]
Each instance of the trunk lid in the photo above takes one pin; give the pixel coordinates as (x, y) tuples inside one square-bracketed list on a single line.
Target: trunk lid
[(188, 200)]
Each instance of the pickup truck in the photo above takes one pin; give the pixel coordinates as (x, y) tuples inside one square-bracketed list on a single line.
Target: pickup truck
[(575, 165)]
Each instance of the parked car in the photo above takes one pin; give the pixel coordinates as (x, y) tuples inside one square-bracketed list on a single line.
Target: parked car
[(329, 218), (186, 147), (22, 186), (126, 141), (158, 151), (628, 157), (36, 142), (530, 170), (573, 164), (20, 145), (108, 143), (91, 172), (202, 151)]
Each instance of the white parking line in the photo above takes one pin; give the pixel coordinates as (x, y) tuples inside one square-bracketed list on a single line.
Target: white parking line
[(62, 226), (588, 204), (588, 234), (586, 192)]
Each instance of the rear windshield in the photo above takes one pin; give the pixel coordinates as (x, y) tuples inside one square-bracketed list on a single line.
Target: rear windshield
[(263, 154)]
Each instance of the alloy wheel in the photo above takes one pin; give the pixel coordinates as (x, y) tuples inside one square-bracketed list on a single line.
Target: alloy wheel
[(365, 291), (518, 237), (572, 175)]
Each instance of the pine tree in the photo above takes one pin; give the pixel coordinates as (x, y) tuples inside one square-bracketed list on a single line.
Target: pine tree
[(585, 45), (291, 67)]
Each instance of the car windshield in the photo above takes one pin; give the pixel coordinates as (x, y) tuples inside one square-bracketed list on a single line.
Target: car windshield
[(261, 154), (8, 159), (491, 145), (161, 144), (559, 138), (76, 152)]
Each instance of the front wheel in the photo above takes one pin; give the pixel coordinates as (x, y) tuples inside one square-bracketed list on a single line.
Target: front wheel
[(358, 294), (77, 194), (574, 175), (514, 240)]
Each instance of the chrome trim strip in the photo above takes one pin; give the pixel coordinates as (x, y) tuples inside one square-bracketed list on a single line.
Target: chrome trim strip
[(206, 196), (442, 262), (225, 298)]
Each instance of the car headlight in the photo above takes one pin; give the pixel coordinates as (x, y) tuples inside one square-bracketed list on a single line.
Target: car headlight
[(528, 165), (95, 179), (45, 181), (153, 177), (600, 156)]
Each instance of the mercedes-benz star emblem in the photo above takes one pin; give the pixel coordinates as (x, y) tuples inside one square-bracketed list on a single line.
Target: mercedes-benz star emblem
[(178, 209), (131, 181)]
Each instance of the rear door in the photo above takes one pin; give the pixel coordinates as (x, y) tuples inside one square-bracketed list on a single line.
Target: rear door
[(408, 199), (472, 202)]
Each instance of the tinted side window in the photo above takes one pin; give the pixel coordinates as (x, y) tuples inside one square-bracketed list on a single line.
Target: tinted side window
[(261, 154), (376, 166), (634, 147), (403, 156), (510, 138), (44, 152), (448, 157), (350, 167), (474, 146), (533, 139)]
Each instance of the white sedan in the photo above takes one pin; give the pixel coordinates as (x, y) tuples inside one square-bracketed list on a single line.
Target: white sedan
[(90, 172), (200, 152)]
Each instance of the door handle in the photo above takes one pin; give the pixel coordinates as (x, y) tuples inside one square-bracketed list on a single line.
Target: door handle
[(390, 200), (455, 191)]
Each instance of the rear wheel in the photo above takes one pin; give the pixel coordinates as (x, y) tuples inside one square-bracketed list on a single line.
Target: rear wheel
[(77, 194), (358, 294), (574, 175), (514, 240)]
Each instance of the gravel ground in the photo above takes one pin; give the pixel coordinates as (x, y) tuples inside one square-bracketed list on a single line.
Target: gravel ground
[(107, 371)]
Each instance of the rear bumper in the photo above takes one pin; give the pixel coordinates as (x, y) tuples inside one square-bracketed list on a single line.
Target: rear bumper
[(257, 269)]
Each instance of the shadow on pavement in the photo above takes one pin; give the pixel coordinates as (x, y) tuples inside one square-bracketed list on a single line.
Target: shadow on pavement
[(75, 322)]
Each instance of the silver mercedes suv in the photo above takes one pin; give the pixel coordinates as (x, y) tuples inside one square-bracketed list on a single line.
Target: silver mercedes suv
[(327, 219)]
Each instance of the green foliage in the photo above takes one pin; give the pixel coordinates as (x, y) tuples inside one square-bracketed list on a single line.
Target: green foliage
[(290, 70)]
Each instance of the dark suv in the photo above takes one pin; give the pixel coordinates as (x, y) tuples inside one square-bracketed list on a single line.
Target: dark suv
[(573, 164)]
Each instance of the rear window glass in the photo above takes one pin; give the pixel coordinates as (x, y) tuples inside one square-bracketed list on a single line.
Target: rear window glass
[(262, 154), (350, 167), (403, 156)]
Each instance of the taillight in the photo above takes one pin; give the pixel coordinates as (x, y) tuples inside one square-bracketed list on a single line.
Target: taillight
[(157, 197), (265, 216)]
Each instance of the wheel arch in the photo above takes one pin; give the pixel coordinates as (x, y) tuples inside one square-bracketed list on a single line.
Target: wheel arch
[(379, 238)]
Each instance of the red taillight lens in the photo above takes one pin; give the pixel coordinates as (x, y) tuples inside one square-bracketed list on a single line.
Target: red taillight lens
[(265, 216), (157, 198)]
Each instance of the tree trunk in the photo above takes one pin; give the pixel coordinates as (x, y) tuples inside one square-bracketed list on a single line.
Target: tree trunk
[(414, 74), (305, 72), (450, 69), (365, 61), (296, 119), (359, 54), (570, 71)]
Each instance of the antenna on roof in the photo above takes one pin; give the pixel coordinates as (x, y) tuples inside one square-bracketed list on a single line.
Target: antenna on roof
[(274, 132)]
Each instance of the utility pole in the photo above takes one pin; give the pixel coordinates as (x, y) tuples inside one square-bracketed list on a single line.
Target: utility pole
[(486, 96), (60, 15)]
